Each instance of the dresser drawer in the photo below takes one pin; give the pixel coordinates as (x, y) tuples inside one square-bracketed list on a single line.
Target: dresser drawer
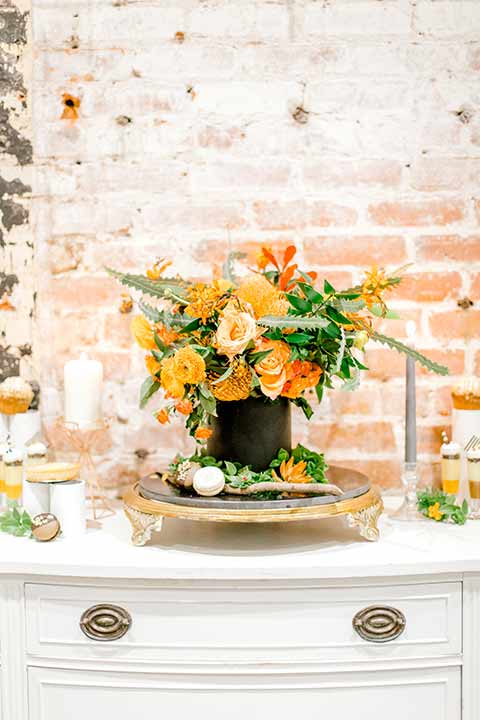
[(242, 624)]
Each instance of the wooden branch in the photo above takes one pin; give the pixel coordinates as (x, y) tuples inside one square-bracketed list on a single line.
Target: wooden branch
[(285, 487)]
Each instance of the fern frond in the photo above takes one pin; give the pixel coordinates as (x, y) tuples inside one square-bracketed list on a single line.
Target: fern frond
[(289, 321), (163, 316), (418, 357), (155, 288), (150, 312)]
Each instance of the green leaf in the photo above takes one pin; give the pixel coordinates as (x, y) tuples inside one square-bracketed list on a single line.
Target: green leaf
[(328, 289), (336, 316), (230, 468), (161, 345), (300, 304), (298, 338), (288, 321), (225, 375), (149, 387), (207, 400), (305, 405), (166, 287), (191, 326), (350, 306), (310, 293), (257, 357), (411, 352), (319, 392), (150, 312)]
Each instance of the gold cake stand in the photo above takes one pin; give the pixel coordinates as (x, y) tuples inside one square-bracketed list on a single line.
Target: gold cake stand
[(146, 515)]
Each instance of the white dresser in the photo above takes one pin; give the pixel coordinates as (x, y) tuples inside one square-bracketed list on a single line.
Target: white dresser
[(244, 623)]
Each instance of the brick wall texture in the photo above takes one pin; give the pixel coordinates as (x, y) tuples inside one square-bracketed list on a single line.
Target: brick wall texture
[(348, 127)]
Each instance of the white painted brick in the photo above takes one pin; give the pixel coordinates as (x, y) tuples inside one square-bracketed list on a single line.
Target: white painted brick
[(357, 17), (455, 17), (244, 98)]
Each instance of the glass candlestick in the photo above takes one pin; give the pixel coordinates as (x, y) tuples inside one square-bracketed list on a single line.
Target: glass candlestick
[(408, 508), (473, 471)]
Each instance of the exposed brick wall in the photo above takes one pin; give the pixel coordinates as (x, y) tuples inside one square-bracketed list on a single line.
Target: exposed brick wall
[(351, 128), (16, 241)]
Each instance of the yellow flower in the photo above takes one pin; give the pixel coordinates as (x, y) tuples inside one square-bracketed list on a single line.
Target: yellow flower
[(142, 331), (434, 512), (293, 472), (374, 285), (189, 366), (156, 271), (235, 330), (153, 366), (207, 299), (173, 387), (264, 298), (236, 386)]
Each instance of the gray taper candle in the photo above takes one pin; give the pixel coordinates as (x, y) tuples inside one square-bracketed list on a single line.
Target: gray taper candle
[(410, 414)]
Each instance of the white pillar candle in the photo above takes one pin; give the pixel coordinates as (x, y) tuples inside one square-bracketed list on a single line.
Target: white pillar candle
[(35, 497), (83, 380), (67, 503), (24, 426)]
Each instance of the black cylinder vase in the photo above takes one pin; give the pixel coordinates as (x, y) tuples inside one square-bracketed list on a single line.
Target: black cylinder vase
[(250, 431)]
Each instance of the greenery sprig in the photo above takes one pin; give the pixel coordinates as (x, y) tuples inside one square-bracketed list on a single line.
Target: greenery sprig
[(440, 506), (16, 521)]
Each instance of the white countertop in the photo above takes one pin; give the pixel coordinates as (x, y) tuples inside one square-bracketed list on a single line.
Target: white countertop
[(324, 549)]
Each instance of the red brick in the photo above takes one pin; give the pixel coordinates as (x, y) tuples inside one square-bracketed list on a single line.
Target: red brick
[(384, 364), (363, 401), (429, 439), (456, 324), (189, 216), (78, 331), (279, 215), (324, 214), (419, 213), (355, 250), (397, 328), (385, 473), (343, 173), (474, 293), (84, 291), (429, 287), (117, 330), (368, 437), (448, 248)]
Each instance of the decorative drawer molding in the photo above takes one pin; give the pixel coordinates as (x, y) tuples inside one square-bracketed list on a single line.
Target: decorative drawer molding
[(242, 625), (56, 694)]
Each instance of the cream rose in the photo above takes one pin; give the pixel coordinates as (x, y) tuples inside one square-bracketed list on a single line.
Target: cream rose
[(234, 332)]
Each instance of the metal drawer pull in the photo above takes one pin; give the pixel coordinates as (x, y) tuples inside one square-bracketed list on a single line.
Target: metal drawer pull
[(379, 623), (105, 622)]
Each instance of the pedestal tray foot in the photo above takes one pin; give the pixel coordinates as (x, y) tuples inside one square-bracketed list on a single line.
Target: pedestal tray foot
[(366, 520), (143, 524)]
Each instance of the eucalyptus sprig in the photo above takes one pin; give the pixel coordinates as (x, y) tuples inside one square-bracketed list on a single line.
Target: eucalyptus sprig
[(16, 521), (440, 506)]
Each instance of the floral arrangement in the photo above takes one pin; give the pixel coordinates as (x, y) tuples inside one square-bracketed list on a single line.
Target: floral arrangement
[(275, 332)]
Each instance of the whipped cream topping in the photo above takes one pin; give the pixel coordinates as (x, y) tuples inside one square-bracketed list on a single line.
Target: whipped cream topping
[(473, 454), (451, 448), (36, 448), (467, 386), (12, 455)]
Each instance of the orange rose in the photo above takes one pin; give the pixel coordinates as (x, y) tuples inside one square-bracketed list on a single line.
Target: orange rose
[(203, 433), (162, 416), (184, 407), (235, 330), (272, 369)]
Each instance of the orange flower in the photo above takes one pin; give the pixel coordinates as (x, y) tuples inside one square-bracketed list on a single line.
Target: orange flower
[(207, 299), (142, 331), (301, 374), (203, 433), (163, 416), (173, 387), (166, 335), (374, 285), (263, 297), (189, 366), (184, 407), (153, 366), (126, 304), (272, 369), (158, 268)]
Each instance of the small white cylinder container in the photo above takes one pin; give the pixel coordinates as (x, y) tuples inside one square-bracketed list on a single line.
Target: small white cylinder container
[(83, 379), (24, 426), (67, 503), (36, 497)]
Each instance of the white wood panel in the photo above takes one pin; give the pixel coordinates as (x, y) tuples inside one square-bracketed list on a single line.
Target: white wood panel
[(413, 695), (243, 625)]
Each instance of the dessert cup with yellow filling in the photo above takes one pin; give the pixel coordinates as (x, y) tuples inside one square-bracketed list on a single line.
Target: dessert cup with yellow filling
[(36, 454), (13, 462), (466, 394), (451, 467), (16, 395), (3, 449)]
